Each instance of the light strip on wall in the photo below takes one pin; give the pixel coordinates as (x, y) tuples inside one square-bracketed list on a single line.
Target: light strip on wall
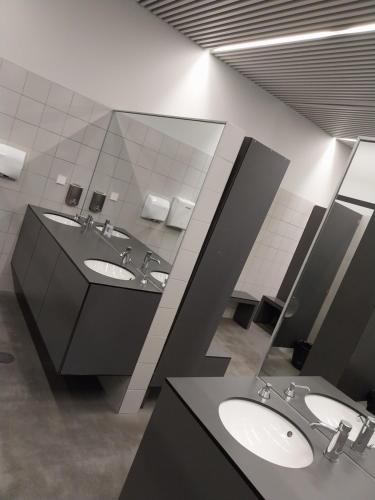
[(348, 139), (303, 37)]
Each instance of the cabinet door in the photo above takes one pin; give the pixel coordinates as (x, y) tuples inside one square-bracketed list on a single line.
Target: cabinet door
[(40, 271), (26, 242), (61, 308)]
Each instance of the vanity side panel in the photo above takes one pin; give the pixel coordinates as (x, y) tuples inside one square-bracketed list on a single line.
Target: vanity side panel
[(178, 459), (61, 308), (40, 271), (110, 316), (25, 246)]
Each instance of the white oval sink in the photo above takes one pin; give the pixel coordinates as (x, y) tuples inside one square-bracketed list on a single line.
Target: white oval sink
[(331, 412), (110, 270), (62, 220), (115, 233), (266, 433), (159, 276)]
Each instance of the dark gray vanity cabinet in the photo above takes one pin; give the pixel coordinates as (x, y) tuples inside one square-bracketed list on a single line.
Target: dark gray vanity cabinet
[(90, 326), (39, 272), (107, 331), (25, 245), (61, 308)]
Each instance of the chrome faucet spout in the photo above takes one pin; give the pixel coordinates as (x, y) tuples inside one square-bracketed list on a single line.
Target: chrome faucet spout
[(125, 256), (338, 441)]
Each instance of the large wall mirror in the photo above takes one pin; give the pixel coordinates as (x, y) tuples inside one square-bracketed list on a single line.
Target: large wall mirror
[(327, 325), (155, 160)]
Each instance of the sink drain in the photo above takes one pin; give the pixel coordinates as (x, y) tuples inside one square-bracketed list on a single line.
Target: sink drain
[(289, 434), (6, 357)]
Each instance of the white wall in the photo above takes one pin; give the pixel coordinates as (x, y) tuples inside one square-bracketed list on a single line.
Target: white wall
[(121, 55)]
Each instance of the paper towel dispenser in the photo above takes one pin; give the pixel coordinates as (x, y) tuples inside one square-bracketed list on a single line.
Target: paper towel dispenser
[(155, 208), (11, 161), (180, 213)]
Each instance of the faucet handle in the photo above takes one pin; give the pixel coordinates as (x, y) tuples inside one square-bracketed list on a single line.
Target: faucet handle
[(290, 391), (265, 391)]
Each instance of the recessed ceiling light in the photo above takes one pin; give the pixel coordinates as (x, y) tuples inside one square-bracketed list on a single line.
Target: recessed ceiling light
[(303, 37)]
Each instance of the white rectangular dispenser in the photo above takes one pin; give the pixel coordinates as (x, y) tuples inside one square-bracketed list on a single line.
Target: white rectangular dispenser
[(180, 213), (155, 208), (11, 162)]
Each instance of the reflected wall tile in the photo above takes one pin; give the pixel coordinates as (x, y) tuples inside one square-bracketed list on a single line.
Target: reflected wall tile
[(123, 170)]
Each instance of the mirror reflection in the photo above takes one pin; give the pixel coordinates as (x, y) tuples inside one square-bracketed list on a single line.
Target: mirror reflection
[(148, 177), (326, 327)]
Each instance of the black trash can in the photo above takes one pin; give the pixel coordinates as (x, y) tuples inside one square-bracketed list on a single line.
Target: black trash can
[(371, 402), (300, 353)]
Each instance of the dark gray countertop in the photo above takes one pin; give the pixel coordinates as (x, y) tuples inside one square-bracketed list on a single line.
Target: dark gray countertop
[(79, 246), (322, 480), (319, 385)]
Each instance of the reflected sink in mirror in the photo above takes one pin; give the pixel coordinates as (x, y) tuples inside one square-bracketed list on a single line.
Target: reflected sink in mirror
[(62, 220), (110, 270), (266, 433), (115, 233), (159, 276), (331, 412)]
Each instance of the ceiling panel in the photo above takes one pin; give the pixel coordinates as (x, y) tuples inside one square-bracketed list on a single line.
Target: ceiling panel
[(330, 81)]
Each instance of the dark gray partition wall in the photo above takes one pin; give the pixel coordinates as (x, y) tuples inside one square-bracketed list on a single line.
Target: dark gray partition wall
[(299, 256), (254, 181), (344, 351), (318, 275)]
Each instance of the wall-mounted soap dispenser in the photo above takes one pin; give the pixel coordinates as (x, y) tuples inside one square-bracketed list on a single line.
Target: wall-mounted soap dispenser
[(97, 202), (73, 195), (180, 213), (155, 208)]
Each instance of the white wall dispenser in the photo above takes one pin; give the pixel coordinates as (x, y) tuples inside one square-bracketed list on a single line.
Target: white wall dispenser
[(155, 208), (11, 162), (180, 213)]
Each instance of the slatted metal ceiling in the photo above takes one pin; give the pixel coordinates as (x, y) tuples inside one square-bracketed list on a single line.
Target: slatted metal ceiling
[(330, 81)]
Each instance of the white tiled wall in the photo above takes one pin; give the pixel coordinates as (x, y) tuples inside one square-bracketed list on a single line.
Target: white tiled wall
[(275, 245), (209, 197), (62, 133), (137, 160)]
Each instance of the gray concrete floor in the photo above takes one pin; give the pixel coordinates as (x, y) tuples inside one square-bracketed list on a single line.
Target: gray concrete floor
[(59, 439), (59, 443), (248, 348)]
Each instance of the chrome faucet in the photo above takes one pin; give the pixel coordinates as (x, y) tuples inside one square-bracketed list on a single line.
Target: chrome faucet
[(290, 391), (86, 222), (125, 256), (265, 391), (365, 434), (146, 262), (337, 443)]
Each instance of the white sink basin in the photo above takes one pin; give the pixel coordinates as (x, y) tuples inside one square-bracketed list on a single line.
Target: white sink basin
[(266, 433), (331, 412), (115, 233), (110, 270), (62, 220), (159, 276)]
